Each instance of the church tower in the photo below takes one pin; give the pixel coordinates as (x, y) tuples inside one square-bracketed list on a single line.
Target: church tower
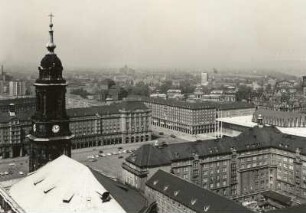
[(50, 136)]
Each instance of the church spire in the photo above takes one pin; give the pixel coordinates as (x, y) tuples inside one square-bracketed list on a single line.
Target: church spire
[(50, 45)]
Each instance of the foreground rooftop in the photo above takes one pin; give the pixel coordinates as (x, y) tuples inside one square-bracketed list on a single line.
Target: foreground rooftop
[(63, 185)]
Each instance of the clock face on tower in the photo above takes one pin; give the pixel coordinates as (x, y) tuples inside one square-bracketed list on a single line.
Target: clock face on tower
[(55, 128)]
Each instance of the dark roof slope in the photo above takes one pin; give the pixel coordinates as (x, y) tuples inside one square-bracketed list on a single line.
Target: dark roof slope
[(107, 109), (17, 101), (234, 105), (254, 138), (295, 209), (278, 197), (24, 116), (129, 199), (181, 104), (200, 105), (191, 195)]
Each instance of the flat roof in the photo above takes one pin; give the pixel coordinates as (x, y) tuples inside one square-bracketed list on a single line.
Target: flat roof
[(246, 121), (239, 120)]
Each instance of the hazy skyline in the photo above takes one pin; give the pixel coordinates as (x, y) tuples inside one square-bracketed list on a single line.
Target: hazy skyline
[(197, 34)]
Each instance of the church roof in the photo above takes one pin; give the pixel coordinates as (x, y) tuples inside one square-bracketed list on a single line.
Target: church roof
[(63, 185)]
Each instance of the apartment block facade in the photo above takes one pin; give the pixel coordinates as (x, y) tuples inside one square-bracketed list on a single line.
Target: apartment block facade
[(260, 159), (126, 122)]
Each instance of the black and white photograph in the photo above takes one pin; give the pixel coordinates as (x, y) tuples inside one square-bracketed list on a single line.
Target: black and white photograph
[(152, 106)]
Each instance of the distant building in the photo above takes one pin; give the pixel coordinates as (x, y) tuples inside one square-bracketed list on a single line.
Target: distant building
[(281, 118), (284, 84), (235, 109), (126, 70), (175, 94), (17, 88), (219, 97), (110, 91), (304, 86), (259, 160), (20, 104), (159, 95), (174, 194), (204, 78), (106, 84), (180, 116)]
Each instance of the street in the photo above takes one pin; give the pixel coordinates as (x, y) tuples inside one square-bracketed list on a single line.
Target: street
[(110, 164)]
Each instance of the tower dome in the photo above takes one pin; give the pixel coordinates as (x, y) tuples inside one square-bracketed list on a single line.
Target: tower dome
[(50, 70)]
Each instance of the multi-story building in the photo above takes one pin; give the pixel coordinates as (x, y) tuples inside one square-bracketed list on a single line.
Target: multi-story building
[(17, 88), (218, 97), (280, 118), (204, 78), (13, 130), (304, 86), (190, 118), (261, 159), (235, 109), (125, 122), (174, 194), (20, 104)]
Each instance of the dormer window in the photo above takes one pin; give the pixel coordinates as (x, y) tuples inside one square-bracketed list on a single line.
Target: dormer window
[(193, 201)]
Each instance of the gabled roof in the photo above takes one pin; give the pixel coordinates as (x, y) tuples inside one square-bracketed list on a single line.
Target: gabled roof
[(130, 199), (63, 185), (252, 139), (192, 196)]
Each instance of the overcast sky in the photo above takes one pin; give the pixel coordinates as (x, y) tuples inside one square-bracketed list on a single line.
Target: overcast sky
[(199, 34)]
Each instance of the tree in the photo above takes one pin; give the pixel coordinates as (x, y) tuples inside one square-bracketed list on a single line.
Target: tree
[(81, 92), (165, 86), (140, 88), (243, 93)]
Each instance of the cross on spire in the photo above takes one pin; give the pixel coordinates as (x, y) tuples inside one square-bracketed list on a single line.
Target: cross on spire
[(51, 16), (51, 46)]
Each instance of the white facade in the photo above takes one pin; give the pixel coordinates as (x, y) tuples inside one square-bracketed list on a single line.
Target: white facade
[(204, 78), (17, 88)]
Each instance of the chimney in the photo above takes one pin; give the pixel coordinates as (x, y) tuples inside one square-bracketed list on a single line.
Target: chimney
[(259, 121), (12, 110)]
